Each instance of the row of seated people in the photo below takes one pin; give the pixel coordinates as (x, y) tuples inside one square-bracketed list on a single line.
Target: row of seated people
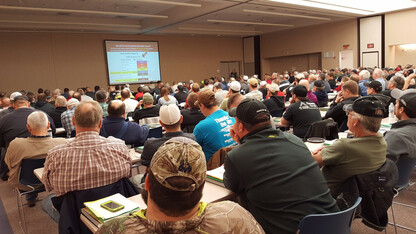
[(258, 142)]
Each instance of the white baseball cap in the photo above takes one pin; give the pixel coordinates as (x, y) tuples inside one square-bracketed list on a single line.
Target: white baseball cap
[(273, 87), (169, 114), (263, 83), (13, 95), (235, 85), (245, 77)]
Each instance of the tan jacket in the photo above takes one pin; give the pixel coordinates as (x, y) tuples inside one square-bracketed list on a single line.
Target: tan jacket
[(24, 148)]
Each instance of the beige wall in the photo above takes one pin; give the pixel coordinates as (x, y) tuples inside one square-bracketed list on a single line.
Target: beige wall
[(52, 60), (322, 38), (399, 27)]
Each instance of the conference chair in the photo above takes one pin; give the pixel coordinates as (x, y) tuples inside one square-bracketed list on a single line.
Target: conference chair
[(405, 167), (28, 178), (338, 222)]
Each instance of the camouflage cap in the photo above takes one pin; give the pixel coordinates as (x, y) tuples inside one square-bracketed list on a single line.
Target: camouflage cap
[(179, 156)]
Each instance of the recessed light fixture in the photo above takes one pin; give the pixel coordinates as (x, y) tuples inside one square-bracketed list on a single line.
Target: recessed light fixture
[(288, 15), (251, 23), (170, 3)]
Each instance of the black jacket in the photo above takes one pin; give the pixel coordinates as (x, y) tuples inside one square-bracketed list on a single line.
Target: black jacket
[(69, 205), (377, 190)]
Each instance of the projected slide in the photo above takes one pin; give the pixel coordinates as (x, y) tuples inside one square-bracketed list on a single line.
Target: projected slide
[(132, 62)]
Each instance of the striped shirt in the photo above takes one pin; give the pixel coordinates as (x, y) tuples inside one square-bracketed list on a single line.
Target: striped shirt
[(88, 161)]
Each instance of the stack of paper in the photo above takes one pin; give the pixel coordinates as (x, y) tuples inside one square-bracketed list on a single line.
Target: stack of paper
[(216, 175), (101, 214)]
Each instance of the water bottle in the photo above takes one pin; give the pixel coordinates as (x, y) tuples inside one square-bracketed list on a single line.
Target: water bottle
[(391, 111)]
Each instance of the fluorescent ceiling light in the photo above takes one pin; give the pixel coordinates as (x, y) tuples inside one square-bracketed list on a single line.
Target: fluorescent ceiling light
[(360, 7), (338, 5), (253, 23), (408, 46), (69, 23), (170, 3), (81, 12), (284, 14), (219, 30)]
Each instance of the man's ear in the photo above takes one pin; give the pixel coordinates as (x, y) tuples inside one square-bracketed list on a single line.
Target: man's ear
[(146, 183), (180, 121), (28, 127)]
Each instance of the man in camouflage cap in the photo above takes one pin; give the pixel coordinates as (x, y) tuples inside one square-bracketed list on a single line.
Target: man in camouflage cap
[(173, 190)]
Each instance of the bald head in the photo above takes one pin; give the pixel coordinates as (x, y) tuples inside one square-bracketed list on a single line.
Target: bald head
[(116, 108), (304, 83), (87, 115)]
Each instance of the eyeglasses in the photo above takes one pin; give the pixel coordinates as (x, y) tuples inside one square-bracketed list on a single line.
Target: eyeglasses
[(348, 113)]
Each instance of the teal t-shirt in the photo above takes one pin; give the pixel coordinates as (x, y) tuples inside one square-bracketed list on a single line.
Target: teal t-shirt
[(213, 132)]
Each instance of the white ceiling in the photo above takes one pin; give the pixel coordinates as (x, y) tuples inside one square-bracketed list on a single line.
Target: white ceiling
[(235, 18)]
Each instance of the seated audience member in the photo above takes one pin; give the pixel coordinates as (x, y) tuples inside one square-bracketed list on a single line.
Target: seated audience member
[(311, 96), (173, 195), (326, 84), (77, 95), (275, 104), (378, 75), (263, 88), (90, 93), (301, 113), (235, 100), (115, 125), (321, 95), (181, 95), (170, 118), (263, 161), (235, 87), (149, 110), (364, 77), (395, 82), (66, 94), (102, 96), (13, 125), (131, 104), (364, 153), (66, 116), (94, 161), (139, 94), (331, 80), (213, 132), (254, 90), (401, 138), (6, 111), (219, 92), (191, 116), (374, 89), (347, 95), (35, 146), (60, 107), (5, 103), (43, 105), (165, 98), (83, 96)]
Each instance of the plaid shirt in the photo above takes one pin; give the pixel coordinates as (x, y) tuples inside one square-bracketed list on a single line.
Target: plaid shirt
[(88, 161), (66, 120)]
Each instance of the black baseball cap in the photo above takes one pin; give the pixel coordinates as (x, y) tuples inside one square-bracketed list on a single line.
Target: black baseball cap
[(300, 91), (374, 85), (250, 110), (369, 106), (319, 83), (408, 100)]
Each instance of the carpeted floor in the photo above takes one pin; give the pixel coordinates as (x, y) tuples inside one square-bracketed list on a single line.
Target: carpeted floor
[(39, 222)]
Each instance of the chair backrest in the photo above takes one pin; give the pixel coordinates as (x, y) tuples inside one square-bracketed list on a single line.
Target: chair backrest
[(405, 167), (155, 133), (339, 222), (326, 128), (27, 177)]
